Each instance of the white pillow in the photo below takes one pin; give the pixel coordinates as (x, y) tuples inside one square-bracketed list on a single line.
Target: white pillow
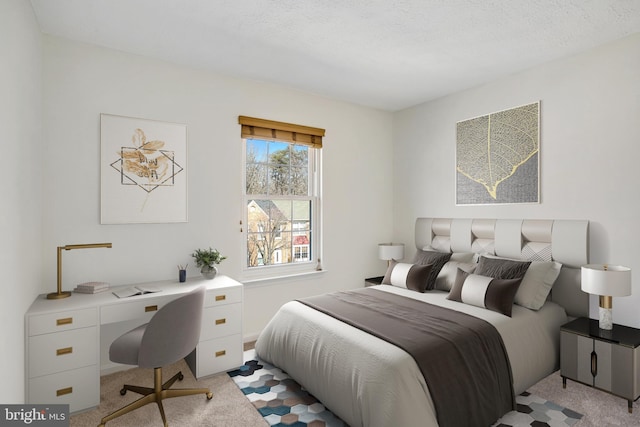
[(536, 284), (467, 257), (447, 276)]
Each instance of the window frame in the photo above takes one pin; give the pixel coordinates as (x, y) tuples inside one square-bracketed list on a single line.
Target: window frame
[(266, 272)]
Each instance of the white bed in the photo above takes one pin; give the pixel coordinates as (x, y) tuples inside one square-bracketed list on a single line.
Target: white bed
[(367, 381)]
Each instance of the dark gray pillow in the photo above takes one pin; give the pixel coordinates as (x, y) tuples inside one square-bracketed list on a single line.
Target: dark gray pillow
[(501, 268), (410, 276), (482, 291), (437, 261)]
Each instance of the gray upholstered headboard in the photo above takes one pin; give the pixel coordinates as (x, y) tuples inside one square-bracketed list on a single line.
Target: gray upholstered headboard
[(564, 241)]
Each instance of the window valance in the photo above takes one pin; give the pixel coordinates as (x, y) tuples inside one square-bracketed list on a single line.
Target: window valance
[(288, 132)]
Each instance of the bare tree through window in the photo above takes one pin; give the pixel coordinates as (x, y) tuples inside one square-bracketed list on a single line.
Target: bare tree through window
[(279, 203)]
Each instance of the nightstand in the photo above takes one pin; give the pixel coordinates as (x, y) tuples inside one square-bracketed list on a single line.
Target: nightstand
[(373, 281), (606, 360)]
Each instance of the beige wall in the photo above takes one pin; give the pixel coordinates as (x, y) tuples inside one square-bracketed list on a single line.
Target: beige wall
[(589, 144)]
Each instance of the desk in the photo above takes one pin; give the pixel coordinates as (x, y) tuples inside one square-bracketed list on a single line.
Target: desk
[(67, 340)]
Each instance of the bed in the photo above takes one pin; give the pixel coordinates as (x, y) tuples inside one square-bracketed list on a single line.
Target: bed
[(367, 381)]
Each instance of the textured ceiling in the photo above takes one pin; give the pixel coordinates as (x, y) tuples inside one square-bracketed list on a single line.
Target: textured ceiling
[(387, 54)]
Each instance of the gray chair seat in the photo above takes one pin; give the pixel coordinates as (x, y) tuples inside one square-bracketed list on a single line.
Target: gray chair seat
[(172, 334)]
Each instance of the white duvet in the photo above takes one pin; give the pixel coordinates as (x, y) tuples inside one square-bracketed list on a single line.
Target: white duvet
[(369, 382)]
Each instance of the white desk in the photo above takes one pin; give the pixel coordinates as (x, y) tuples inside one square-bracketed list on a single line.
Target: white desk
[(67, 340)]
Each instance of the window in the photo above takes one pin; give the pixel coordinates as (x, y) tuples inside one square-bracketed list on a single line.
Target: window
[(281, 197)]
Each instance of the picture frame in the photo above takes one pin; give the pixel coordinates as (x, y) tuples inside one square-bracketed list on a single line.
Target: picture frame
[(143, 171), (498, 157)]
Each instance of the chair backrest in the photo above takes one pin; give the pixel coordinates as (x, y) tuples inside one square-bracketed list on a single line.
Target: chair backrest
[(173, 331)]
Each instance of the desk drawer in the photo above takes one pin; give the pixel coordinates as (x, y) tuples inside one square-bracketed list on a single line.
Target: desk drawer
[(62, 351), (62, 321), (222, 296), (80, 388), (221, 321), (219, 355), (143, 308)]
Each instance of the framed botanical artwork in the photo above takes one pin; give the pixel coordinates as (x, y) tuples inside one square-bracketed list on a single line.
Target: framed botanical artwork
[(498, 157), (143, 171)]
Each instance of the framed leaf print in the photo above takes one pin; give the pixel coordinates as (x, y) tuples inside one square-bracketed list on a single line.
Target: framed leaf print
[(143, 171), (497, 157)]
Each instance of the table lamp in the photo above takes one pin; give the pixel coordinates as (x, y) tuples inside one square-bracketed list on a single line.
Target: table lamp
[(59, 294), (607, 281), (389, 251)]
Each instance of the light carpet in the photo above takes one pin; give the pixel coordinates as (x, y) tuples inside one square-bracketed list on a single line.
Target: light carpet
[(283, 402), (600, 409), (229, 407)]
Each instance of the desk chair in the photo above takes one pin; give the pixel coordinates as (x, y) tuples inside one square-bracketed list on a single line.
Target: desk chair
[(172, 334)]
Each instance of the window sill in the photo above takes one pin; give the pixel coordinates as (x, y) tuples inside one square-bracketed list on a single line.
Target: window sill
[(265, 281)]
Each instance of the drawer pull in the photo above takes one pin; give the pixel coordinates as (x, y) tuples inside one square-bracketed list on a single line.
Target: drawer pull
[(221, 321), (63, 351), (65, 321), (594, 364), (221, 353), (151, 308), (221, 297), (64, 391)]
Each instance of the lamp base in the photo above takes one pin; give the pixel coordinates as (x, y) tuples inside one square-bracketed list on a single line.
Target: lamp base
[(606, 318), (58, 295)]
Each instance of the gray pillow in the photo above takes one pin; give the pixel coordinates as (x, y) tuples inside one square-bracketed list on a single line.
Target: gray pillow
[(536, 283), (436, 259), (410, 276), (501, 268), (486, 292)]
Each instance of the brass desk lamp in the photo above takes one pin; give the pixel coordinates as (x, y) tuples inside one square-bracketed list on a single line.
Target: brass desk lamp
[(59, 294)]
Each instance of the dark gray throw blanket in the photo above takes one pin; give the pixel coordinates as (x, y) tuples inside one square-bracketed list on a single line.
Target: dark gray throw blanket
[(462, 358)]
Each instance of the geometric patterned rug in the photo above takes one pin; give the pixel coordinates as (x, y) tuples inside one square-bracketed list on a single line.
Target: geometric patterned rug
[(283, 402), (280, 399), (532, 410)]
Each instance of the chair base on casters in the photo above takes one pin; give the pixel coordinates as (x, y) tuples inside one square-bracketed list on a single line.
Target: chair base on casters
[(156, 394)]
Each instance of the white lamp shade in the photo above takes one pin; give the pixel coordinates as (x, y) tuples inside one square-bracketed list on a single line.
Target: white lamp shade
[(608, 280), (387, 251)]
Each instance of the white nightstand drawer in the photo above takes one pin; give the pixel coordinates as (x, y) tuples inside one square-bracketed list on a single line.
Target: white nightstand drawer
[(62, 321), (80, 388), (222, 296), (221, 321), (219, 355), (62, 351), (140, 307)]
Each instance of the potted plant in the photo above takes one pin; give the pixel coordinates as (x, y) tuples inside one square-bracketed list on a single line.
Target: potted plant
[(207, 259)]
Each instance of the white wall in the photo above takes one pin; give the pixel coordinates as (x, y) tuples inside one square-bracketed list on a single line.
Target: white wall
[(21, 189), (82, 81), (590, 110), (590, 146)]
